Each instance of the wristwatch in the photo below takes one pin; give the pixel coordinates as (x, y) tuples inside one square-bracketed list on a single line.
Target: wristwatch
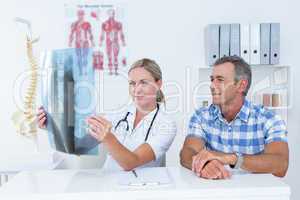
[(239, 161)]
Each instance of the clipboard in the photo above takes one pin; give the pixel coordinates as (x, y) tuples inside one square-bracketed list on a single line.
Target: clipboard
[(153, 176)]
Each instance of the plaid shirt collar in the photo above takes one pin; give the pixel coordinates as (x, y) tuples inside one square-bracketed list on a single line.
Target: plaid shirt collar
[(242, 115)]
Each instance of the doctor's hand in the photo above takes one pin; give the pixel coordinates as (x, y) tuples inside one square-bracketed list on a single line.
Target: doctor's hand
[(42, 117), (99, 127)]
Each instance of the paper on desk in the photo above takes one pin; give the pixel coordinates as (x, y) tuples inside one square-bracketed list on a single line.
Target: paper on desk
[(145, 177), (29, 162)]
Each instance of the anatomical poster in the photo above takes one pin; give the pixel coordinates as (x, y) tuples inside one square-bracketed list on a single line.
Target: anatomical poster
[(101, 29)]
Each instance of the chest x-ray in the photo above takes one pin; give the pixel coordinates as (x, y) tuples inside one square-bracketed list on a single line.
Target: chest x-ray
[(68, 96)]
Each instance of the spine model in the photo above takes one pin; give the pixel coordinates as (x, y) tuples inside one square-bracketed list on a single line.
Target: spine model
[(25, 120)]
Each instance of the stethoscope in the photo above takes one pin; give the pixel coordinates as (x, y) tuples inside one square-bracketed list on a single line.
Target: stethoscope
[(127, 124)]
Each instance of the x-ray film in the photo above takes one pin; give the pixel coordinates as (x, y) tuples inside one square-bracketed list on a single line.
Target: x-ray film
[(69, 97)]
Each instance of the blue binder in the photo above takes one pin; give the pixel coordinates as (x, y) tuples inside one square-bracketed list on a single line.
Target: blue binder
[(212, 43), (234, 40), (265, 29), (275, 43), (224, 39)]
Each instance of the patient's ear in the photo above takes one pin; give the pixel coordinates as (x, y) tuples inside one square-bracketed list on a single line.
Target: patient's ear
[(243, 84)]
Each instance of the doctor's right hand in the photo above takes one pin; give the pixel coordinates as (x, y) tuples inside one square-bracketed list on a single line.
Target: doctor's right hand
[(42, 118), (99, 127)]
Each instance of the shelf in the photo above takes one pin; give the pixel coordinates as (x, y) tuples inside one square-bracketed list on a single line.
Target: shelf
[(252, 66), (277, 108)]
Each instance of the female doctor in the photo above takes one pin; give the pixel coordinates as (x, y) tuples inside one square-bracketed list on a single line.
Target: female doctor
[(141, 136)]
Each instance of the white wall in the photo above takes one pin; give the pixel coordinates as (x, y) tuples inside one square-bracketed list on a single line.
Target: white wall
[(171, 32)]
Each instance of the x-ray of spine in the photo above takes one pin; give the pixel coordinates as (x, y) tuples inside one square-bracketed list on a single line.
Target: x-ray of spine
[(68, 97)]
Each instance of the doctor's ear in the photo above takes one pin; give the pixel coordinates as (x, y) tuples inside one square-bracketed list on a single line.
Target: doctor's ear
[(159, 84)]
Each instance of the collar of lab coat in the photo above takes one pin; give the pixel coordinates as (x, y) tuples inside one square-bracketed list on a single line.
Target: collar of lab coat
[(146, 119)]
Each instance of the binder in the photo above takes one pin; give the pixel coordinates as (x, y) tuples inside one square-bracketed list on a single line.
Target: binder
[(224, 39), (255, 44), (275, 43), (212, 43), (234, 48), (265, 29), (245, 42)]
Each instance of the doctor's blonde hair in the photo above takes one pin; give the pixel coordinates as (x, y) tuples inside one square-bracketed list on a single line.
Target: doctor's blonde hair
[(153, 68)]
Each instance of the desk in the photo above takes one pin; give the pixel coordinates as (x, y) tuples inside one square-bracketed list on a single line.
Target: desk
[(101, 184), (46, 161), (27, 162)]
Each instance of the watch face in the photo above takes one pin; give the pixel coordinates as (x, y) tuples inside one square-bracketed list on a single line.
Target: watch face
[(239, 154), (239, 161)]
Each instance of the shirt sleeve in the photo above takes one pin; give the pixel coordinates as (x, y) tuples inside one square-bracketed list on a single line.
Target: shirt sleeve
[(162, 136), (275, 129), (195, 128)]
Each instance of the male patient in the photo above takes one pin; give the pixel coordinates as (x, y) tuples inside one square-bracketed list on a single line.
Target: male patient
[(233, 131)]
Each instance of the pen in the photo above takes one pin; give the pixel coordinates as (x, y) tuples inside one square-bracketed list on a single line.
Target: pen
[(135, 174)]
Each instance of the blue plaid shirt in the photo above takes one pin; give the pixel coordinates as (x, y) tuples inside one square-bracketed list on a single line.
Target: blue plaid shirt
[(253, 127)]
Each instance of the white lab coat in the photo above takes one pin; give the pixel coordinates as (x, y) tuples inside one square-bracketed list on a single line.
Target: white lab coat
[(160, 137)]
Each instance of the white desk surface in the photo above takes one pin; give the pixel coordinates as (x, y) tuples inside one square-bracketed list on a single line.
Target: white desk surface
[(100, 184)]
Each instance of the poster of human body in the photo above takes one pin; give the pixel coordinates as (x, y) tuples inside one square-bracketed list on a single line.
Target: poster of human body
[(101, 29)]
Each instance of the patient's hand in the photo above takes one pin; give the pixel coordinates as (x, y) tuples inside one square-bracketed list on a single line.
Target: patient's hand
[(214, 170), (42, 117)]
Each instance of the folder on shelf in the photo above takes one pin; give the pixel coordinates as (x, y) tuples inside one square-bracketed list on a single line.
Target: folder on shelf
[(245, 42), (212, 43), (255, 44), (224, 39), (275, 43), (234, 48), (265, 29)]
